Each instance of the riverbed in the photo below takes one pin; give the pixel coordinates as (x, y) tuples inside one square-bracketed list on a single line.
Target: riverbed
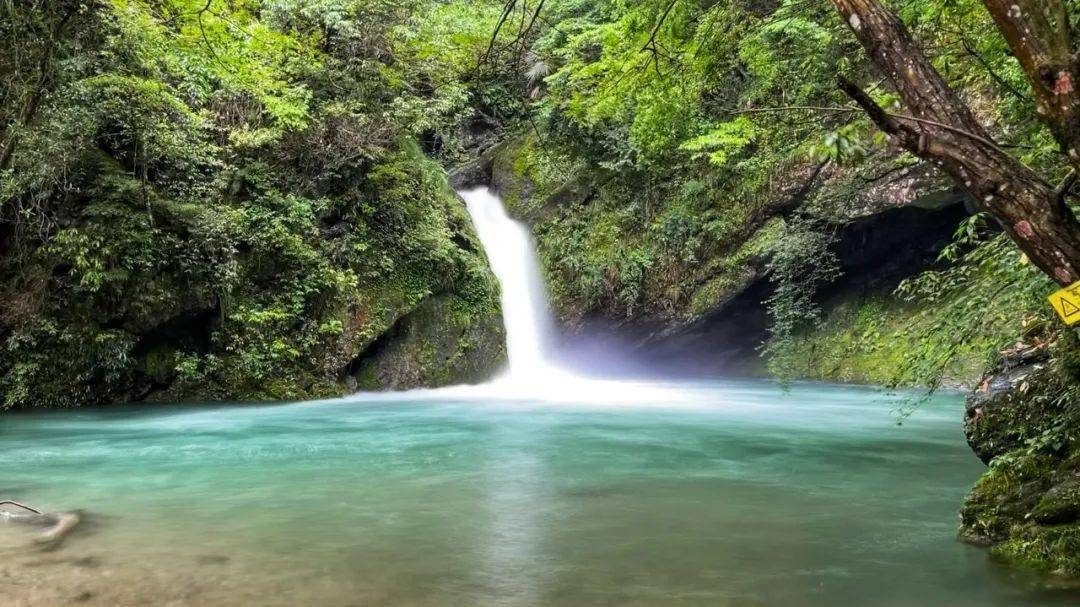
[(690, 493)]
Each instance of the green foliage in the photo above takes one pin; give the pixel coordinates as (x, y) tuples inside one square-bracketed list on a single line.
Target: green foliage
[(726, 140), (61, 366), (223, 200), (869, 340), (673, 174), (845, 145), (801, 262), (249, 168), (942, 327), (987, 294), (689, 126)]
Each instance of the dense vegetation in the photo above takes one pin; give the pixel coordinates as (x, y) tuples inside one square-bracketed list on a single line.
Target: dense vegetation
[(243, 199), (219, 199)]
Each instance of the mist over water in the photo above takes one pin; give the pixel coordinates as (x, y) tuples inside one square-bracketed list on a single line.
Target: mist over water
[(535, 369)]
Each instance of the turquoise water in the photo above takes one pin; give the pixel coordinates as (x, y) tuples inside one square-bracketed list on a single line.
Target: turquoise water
[(721, 493)]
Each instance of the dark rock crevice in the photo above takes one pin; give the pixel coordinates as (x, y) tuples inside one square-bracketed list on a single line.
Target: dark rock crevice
[(875, 252), (157, 348)]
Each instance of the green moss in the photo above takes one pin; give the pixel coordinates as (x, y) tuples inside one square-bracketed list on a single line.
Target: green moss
[(717, 290), (732, 273), (873, 339), (527, 173), (160, 364), (445, 340), (1027, 505), (1053, 550), (1060, 504), (1003, 496), (367, 379)]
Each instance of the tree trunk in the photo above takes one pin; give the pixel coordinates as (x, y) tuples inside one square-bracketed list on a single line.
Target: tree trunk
[(1038, 33), (943, 130)]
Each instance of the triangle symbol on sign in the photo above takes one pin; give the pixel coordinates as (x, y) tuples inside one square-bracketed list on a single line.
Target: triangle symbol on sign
[(1069, 308)]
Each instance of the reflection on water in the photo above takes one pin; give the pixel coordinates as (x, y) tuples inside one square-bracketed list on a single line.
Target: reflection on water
[(515, 509), (731, 493)]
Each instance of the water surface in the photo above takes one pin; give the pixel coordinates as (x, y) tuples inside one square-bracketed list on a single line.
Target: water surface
[(720, 493)]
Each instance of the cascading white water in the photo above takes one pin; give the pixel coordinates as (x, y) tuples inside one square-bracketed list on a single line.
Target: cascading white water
[(534, 371), (509, 247)]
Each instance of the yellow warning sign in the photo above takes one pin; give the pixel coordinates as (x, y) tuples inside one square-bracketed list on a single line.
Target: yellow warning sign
[(1067, 303)]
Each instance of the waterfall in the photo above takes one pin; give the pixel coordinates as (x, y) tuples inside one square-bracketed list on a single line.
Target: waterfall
[(511, 252), (534, 370)]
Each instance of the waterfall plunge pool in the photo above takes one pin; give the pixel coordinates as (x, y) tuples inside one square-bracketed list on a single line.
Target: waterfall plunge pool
[(714, 493), (542, 487)]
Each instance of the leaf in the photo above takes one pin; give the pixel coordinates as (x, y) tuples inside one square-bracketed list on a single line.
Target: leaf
[(723, 142)]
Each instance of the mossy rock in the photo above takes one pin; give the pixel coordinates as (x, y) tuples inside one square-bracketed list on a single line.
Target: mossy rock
[(1027, 506), (1027, 519), (1003, 497), (1061, 504), (534, 181), (1000, 414), (1051, 549), (440, 343)]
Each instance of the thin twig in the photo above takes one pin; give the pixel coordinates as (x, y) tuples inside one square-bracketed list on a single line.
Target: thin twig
[(652, 45), (17, 504), (994, 75), (1063, 190)]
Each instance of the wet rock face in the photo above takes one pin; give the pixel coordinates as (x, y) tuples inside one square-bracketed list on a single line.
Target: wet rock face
[(995, 413), (1023, 421), (471, 175), (480, 171), (435, 345)]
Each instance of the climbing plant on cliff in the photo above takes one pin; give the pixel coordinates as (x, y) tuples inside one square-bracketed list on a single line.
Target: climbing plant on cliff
[(792, 306)]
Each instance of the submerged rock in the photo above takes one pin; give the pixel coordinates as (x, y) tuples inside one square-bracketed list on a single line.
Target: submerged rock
[(65, 524), (56, 526)]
